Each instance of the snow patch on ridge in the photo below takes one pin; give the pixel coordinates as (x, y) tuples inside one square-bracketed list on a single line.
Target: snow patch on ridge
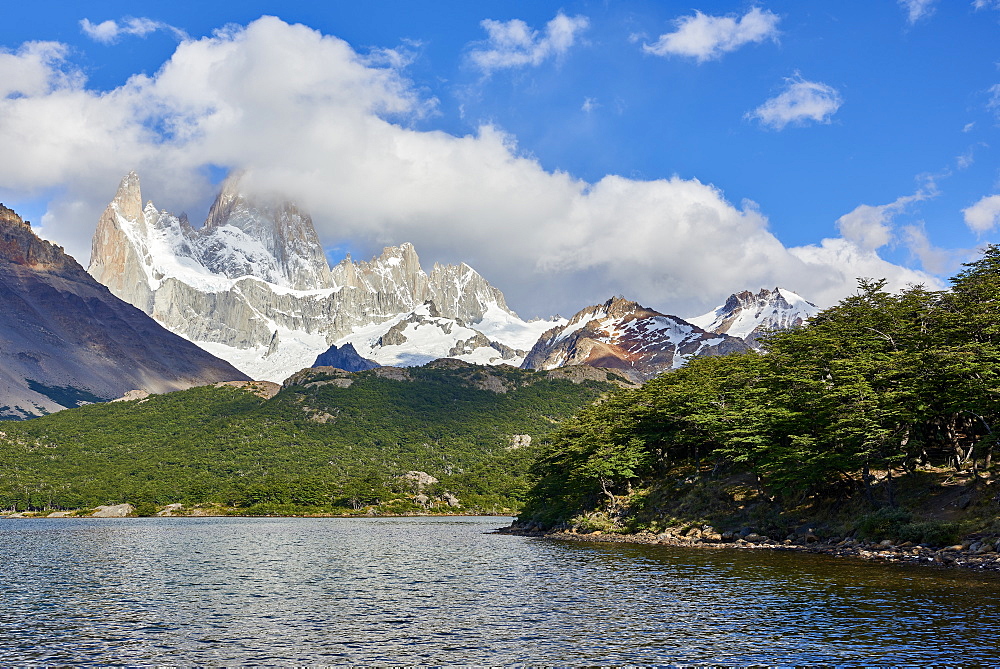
[(502, 326)]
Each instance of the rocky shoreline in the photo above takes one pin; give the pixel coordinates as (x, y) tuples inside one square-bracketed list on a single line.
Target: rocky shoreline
[(978, 553)]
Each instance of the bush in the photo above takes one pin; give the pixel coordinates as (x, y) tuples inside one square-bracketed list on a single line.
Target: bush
[(595, 522), (930, 532), (895, 524), (883, 524)]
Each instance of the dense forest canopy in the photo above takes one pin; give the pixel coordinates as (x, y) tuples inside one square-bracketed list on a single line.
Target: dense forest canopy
[(329, 442), (871, 390)]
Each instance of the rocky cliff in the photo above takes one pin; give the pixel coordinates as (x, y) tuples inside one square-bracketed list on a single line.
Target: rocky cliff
[(66, 340), (621, 334), (345, 358), (264, 237)]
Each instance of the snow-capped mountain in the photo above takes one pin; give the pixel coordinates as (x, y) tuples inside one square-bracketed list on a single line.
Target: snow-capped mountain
[(253, 287), (624, 335), (748, 316), (65, 340)]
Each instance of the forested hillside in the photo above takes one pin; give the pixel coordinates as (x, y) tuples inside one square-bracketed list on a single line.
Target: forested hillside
[(879, 414), (328, 442)]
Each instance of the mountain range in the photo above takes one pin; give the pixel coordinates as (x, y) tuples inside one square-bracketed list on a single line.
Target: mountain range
[(253, 286), (250, 294)]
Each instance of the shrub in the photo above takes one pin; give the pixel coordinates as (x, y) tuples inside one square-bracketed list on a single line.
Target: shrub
[(896, 524), (930, 532), (883, 524)]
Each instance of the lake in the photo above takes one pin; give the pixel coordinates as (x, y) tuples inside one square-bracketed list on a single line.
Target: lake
[(446, 591)]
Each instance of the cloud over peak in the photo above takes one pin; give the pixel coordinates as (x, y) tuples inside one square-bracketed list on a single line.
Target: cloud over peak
[(317, 126), (705, 37), (513, 43)]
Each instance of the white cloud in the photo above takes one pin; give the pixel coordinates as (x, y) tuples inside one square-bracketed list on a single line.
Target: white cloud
[(589, 104), (932, 258), (993, 104), (707, 37), (984, 215), (800, 102), (514, 44), (37, 68), (869, 227), (917, 9), (847, 263), (967, 159), (986, 4), (317, 126), (110, 31)]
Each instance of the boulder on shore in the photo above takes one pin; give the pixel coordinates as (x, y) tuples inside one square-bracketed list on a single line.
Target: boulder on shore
[(114, 511)]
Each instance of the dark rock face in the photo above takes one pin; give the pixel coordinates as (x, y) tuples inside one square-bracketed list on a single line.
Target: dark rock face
[(65, 340), (344, 357), (626, 336)]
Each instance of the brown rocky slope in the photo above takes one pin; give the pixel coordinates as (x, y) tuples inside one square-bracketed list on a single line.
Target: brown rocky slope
[(66, 340)]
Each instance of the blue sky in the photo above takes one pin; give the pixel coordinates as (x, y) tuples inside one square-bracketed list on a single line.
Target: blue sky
[(740, 136)]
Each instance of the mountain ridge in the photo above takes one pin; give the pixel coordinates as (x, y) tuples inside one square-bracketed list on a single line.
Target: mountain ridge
[(66, 340), (621, 334)]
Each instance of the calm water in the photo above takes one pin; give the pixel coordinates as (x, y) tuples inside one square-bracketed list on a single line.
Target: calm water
[(444, 591)]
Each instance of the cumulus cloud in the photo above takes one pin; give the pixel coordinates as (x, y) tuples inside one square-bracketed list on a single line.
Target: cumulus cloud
[(932, 258), (514, 44), (705, 37), (801, 101), (37, 68), (984, 215), (869, 227), (110, 31), (917, 9), (331, 132)]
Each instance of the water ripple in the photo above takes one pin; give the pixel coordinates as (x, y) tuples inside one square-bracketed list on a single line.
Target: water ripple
[(443, 591)]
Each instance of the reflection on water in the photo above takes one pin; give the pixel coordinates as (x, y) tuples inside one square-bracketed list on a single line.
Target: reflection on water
[(445, 591)]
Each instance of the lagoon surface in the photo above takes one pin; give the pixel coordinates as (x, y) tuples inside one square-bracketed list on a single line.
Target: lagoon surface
[(447, 591)]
